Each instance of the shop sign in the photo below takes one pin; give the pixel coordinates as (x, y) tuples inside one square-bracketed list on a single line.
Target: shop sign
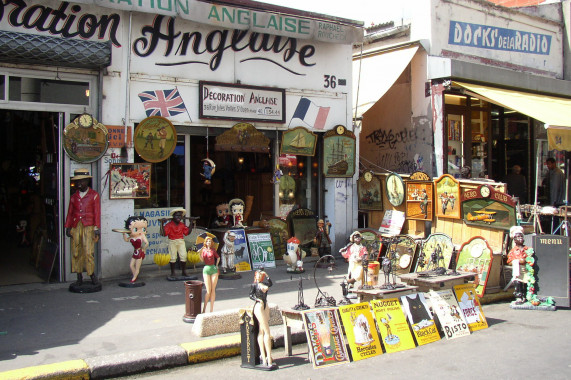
[(361, 331), (116, 136), (490, 37), (239, 102)]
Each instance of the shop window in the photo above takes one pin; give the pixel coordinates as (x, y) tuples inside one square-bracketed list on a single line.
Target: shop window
[(2, 87), (167, 181), (298, 184), (22, 89)]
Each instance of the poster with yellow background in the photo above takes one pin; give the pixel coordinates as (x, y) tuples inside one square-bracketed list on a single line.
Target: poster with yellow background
[(360, 330), (392, 325)]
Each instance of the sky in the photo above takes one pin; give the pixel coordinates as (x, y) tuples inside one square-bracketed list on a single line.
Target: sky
[(368, 11)]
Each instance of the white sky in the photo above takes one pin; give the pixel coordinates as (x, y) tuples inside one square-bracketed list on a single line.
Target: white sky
[(368, 11)]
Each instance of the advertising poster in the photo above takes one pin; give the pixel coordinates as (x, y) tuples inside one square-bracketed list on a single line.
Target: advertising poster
[(325, 338), (420, 318), (470, 306), (241, 252), (392, 325), (360, 331), (448, 313), (261, 250), (158, 244)]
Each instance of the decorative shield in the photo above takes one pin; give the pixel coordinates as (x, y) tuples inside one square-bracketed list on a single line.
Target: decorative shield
[(200, 240)]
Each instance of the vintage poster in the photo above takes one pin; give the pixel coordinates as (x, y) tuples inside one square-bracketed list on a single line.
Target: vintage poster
[(448, 313), (241, 252), (261, 250), (420, 318), (360, 331), (470, 306), (325, 338), (128, 181), (393, 328), (392, 223)]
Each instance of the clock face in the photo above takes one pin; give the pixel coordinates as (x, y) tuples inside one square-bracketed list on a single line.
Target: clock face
[(340, 129), (404, 261), (85, 120), (485, 191), (368, 176)]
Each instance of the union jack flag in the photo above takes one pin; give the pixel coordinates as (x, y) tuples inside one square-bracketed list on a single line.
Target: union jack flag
[(162, 102)]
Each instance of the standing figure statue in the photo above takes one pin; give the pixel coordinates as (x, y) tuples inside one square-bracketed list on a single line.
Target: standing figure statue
[(227, 252), (516, 257), (294, 256), (259, 294), (322, 240), (175, 230), (137, 225), (237, 211), (353, 253), (222, 216), (211, 260), (82, 225)]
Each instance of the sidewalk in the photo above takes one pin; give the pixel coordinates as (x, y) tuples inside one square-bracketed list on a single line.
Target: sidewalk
[(47, 331)]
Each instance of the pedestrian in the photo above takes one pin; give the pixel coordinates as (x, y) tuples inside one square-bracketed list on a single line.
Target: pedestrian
[(517, 185), (556, 183), (83, 226)]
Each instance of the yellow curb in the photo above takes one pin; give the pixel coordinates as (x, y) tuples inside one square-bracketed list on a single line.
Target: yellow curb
[(70, 370), (212, 349)]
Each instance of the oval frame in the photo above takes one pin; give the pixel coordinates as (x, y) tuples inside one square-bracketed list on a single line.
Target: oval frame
[(152, 125), (395, 189), (81, 146)]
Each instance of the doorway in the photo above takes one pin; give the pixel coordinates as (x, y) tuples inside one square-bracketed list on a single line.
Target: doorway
[(28, 194)]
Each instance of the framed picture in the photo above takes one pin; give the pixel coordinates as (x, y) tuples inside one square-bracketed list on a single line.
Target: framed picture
[(85, 142), (436, 252), (419, 200), (299, 141), (486, 207), (403, 254), (280, 234), (370, 194), (395, 189), (155, 139), (339, 148), (261, 250), (447, 197), (129, 181), (475, 256)]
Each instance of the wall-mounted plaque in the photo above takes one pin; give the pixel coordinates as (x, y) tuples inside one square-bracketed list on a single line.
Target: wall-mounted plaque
[(155, 139), (299, 141)]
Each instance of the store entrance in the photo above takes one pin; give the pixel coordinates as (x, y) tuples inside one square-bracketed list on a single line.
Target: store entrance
[(28, 194)]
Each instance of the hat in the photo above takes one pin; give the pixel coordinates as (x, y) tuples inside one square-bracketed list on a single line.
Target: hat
[(80, 174), (178, 209), (514, 230), (352, 237)]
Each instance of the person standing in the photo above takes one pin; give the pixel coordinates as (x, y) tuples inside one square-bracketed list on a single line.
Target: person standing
[(517, 186), (83, 226), (556, 183)]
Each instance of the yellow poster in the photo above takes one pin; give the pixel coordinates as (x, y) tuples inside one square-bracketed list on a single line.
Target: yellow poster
[(470, 306), (420, 318), (392, 325), (360, 330)]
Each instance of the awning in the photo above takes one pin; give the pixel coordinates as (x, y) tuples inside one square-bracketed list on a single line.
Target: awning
[(377, 74), (553, 111)]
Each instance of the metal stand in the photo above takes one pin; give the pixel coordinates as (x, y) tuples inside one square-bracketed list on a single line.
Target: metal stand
[(323, 299)]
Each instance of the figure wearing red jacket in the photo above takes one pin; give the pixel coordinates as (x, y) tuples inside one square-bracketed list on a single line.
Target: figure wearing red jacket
[(82, 225)]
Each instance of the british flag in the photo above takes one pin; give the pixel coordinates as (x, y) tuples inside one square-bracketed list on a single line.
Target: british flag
[(163, 103)]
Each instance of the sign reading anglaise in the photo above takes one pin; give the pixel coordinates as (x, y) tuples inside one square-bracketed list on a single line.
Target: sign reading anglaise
[(251, 103)]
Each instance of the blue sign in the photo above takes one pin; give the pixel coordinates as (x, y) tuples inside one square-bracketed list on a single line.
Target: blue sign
[(490, 37)]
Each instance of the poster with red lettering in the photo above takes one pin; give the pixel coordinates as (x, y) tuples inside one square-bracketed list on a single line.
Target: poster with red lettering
[(470, 306), (325, 338), (360, 330), (448, 312), (392, 325)]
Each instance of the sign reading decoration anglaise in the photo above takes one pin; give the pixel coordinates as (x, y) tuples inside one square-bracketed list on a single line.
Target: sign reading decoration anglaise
[(240, 102)]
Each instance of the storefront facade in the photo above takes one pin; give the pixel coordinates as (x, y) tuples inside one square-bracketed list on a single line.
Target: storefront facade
[(295, 70), (448, 72)]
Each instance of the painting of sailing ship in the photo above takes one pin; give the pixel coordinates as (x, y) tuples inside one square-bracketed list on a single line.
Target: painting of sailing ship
[(339, 155), (299, 141)]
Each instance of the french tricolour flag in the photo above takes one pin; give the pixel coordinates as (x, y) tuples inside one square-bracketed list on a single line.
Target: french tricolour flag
[(310, 114)]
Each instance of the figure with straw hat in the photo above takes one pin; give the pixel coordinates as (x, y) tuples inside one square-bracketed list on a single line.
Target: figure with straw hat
[(83, 226), (176, 230)]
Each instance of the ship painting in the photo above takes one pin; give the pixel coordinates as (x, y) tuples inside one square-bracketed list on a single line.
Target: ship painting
[(298, 141), (337, 161)]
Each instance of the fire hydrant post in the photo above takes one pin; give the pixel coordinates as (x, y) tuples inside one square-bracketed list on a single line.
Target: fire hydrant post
[(193, 296)]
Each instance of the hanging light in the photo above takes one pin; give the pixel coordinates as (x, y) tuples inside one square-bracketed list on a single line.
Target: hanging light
[(240, 160)]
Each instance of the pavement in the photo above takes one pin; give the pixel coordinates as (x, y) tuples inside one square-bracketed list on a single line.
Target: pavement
[(47, 332)]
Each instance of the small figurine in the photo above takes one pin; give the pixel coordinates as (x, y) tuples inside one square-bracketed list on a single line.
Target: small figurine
[(208, 169), (237, 211), (353, 253), (259, 293), (322, 240), (175, 230), (227, 252), (294, 256), (162, 133), (517, 258), (277, 175), (83, 226), (137, 225), (22, 230), (222, 216), (211, 260)]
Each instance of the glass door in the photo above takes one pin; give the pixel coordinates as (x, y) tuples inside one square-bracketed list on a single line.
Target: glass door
[(455, 153)]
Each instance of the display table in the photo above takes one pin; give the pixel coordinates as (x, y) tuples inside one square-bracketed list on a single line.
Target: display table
[(366, 295), (291, 318), (427, 283)]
